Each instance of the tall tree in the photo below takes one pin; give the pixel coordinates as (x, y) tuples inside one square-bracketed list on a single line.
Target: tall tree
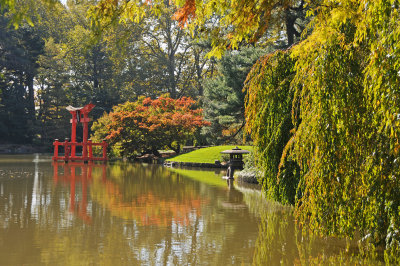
[(51, 95), (168, 46), (179, 61), (223, 100), (19, 50), (234, 22), (227, 23)]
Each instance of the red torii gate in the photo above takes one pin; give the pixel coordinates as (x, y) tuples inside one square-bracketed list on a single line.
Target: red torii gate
[(79, 114)]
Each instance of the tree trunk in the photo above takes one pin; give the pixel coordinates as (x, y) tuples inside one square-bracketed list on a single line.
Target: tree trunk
[(198, 73), (95, 70), (171, 75), (31, 97), (290, 29)]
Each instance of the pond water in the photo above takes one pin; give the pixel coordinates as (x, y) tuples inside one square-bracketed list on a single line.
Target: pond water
[(133, 214)]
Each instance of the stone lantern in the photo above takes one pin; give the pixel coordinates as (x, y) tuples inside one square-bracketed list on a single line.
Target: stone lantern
[(235, 161)]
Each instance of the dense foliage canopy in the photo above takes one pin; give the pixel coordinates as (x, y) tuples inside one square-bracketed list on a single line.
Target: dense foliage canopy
[(228, 24), (223, 100), (147, 125), (345, 120), (61, 61), (232, 23), (269, 121)]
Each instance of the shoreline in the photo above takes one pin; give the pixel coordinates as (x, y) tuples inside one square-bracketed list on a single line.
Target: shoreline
[(22, 149)]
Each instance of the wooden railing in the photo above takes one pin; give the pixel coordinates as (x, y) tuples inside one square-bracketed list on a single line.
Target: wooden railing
[(70, 148)]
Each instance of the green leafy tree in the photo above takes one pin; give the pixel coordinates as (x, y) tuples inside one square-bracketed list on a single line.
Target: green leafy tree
[(238, 22), (19, 50), (347, 141), (74, 70), (269, 121), (344, 113), (165, 60), (228, 24), (23, 11), (52, 98), (223, 100)]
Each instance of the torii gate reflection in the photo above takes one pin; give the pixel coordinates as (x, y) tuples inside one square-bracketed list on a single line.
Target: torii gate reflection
[(85, 178)]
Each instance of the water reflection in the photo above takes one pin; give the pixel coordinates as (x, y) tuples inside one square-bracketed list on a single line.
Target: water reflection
[(121, 213), (281, 241), (159, 202), (132, 214), (77, 175)]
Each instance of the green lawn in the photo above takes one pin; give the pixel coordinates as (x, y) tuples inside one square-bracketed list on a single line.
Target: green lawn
[(205, 155), (208, 177)]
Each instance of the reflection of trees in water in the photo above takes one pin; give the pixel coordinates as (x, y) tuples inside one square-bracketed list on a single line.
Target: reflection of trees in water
[(139, 194), (281, 241), (230, 231), (276, 241), (39, 227), (17, 211), (220, 229)]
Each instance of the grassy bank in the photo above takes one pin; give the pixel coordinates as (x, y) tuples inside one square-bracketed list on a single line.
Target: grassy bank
[(208, 177), (205, 155)]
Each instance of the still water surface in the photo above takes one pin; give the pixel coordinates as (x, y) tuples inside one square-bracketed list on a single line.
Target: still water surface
[(134, 214)]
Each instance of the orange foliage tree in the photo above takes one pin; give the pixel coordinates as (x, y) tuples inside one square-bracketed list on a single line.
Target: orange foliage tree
[(147, 125)]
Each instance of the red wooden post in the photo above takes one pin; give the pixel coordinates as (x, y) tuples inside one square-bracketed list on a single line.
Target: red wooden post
[(90, 150), (66, 150), (56, 143), (73, 121), (85, 121)]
